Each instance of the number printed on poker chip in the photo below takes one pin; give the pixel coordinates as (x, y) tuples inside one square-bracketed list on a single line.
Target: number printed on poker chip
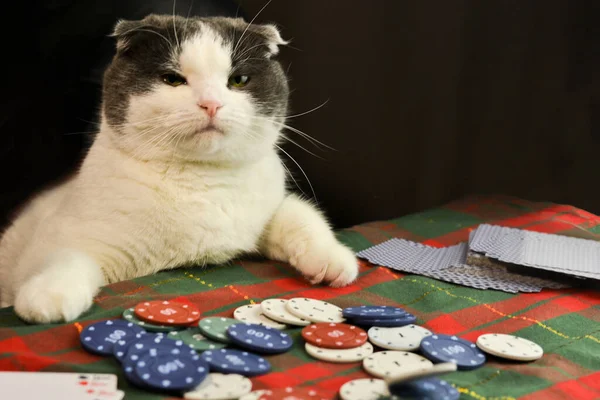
[(334, 336), (446, 348), (258, 338), (101, 337), (172, 372), (230, 361), (155, 343), (167, 312)]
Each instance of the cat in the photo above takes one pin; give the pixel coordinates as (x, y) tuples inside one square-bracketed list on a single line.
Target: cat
[(183, 171)]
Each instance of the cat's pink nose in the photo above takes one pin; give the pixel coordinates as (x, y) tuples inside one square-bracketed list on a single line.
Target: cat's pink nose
[(211, 107)]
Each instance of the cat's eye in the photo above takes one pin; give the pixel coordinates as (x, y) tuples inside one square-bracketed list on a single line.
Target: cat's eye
[(239, 81), (173, 79)]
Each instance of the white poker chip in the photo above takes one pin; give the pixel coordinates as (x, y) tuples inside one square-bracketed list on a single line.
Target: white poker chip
[(412, 375), (364, 389), (386, 364), (253, 314), (255, 395), (340, 355), (510, 347), (314, 310), (277, 311), (221, 387), (405, 338)]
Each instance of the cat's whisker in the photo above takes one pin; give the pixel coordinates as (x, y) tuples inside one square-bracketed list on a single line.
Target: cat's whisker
[(174, 27), (247, 51), (239, 42), (289, 173), (151, 31), (187, 19), (313, 141), (301, 169), (284, 137), (309, 111)]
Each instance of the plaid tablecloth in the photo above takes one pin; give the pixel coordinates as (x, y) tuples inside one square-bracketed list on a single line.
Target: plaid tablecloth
[(566, 323)]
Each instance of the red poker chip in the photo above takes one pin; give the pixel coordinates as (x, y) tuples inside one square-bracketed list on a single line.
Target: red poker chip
[(334, 336), (167, 312), (290, 393)]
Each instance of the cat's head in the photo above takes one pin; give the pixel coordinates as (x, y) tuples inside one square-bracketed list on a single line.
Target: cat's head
[(197, 89)]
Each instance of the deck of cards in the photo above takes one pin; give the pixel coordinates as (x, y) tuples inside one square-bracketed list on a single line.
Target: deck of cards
[(59, 386)]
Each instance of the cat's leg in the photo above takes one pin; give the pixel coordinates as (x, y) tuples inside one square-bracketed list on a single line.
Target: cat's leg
[(60, 289), (300, 235)]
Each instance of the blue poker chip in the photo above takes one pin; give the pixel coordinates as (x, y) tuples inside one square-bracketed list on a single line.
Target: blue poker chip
[(425, 389), (403, 320), (373, 312), (157, 344), (165, 371), (236, 362), (258, 338), (446, 348), (100, 338), (120, 348), (131, 376)]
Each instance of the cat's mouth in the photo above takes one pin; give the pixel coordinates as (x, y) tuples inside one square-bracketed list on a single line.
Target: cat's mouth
[(210, 128)]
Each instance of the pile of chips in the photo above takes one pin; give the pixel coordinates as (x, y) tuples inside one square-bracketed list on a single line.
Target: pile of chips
[(167, 346)]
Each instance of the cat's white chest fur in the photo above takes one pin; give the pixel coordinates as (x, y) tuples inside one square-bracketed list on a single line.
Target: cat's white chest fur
[(172, 214)]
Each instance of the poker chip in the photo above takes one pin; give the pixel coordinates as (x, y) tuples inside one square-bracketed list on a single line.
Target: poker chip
[(254, 395), (390, 363), (510, 347), (167, 312), (171, 372), (340, 355), (194, 338), (129, 315), (260, 339), (130, 375), (121, 346), (446, 348), (314, 310), (405, 338), (236, 362), (406, 319), (426, 389), (101, 337), (334, 336), (215, 328), (156, 344), (221, 387), (253, 314), (409, 376), (296, 393), (373, 312), (364, 389), (277, 311)]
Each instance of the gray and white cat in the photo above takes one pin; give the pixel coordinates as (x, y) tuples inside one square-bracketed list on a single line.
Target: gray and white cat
[(183, 171)]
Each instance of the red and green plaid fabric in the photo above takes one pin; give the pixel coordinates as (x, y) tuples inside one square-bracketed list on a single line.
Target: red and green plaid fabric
[(566, 323)]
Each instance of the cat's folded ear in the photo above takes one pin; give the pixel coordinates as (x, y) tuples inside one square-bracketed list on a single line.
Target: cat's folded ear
[(123, 32), (272, 35)]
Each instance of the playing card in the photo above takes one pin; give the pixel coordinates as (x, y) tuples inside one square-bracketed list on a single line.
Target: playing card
[(59, 386)]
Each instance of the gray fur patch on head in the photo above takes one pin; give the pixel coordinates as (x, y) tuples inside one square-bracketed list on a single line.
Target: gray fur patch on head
[(149, 48)]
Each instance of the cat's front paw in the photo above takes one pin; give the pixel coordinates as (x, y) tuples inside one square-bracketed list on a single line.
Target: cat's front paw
[(61, 292), (335, 265)]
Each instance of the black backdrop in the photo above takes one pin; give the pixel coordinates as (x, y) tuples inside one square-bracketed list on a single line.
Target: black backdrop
[(429, 100)]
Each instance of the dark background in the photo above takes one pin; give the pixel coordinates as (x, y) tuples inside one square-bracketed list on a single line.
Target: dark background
[(428, 100)]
